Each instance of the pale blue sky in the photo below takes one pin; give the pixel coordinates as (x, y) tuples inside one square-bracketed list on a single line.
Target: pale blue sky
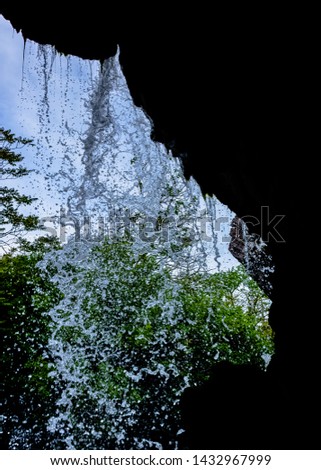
[(23, 79), (11, 54)]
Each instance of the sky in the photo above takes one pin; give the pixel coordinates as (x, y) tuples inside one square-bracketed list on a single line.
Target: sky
[(21, 80), (11, 53), (24, 83)]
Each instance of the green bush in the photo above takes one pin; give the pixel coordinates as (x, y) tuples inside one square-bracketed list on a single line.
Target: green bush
[(128, 338)]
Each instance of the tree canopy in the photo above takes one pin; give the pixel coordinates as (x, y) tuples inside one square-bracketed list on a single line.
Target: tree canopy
[(12, 219), (100, 337)]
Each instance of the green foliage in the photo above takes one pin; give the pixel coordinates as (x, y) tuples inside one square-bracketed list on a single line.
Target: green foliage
[(135, 337), (119, 338), (228, 320), (26, 390), (12, 221)]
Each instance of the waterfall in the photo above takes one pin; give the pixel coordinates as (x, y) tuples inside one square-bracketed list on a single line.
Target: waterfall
[(112, 173), (128, 176), (133, 230)]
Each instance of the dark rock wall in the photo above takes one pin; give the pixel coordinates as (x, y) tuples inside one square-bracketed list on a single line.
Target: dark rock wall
[(223, 89)]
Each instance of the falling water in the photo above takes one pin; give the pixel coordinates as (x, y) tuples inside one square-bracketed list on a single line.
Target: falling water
[(96, 160)]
